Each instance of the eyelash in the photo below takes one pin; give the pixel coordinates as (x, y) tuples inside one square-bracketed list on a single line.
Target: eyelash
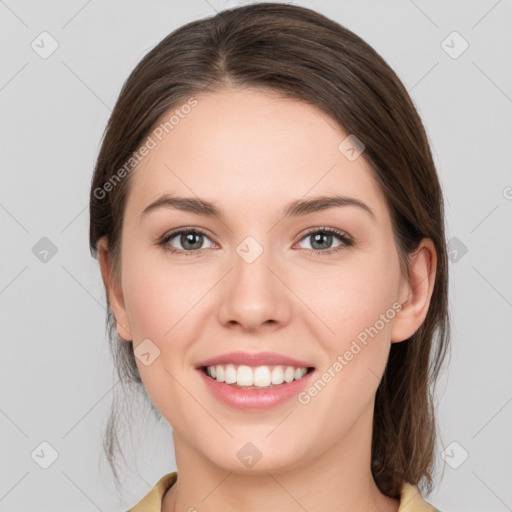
[(346, 240)]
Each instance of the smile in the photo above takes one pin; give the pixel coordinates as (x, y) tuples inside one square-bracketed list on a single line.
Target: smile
[(235, 385), (250, 377)]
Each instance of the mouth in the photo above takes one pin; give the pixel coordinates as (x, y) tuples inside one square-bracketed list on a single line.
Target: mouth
[(255, 377), (255, 388)]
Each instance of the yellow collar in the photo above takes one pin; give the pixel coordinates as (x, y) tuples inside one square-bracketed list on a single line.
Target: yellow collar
[(410, 497)]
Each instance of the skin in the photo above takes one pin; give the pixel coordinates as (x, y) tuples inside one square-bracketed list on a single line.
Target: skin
[(252, 153)]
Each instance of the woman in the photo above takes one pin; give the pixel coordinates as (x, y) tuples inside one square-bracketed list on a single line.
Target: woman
[(270, 231)]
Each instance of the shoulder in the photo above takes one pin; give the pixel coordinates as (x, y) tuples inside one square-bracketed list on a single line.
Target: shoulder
[(411, 500), (152, 501)]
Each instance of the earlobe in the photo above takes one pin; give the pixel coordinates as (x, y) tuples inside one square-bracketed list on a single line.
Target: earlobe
[(416, 291), (114, 291)]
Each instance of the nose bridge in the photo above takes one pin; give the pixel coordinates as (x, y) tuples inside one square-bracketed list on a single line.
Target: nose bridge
[(253, 295), (251, 274)]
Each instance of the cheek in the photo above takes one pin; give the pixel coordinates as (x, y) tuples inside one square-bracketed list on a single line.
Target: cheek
[(149, 298), (156, 294), (157, 300), (359, 311), (351, 298)]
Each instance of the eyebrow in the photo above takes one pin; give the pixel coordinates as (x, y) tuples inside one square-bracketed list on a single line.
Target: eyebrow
[(293, 209)]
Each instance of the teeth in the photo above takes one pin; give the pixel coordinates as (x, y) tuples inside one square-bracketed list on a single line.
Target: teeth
[(244, 376), (277, 375), (262, 376), (230, 375), (289, 373), (259, 377)]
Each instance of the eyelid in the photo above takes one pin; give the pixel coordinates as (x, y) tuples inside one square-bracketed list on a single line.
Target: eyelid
[(183, 230), (346, 239), (327, 229), (186, 229)]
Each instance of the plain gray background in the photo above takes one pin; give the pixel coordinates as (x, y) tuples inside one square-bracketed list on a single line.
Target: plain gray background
[(56, 373)]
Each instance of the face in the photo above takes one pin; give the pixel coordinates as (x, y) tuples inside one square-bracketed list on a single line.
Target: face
[(319, 285)]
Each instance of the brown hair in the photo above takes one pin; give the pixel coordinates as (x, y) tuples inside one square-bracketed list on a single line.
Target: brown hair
[(301, 54)]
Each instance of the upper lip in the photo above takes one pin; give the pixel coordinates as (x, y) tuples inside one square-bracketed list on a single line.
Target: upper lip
[(257, 359)]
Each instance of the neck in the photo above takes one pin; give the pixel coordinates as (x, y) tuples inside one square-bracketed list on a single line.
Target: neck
[(338, 479)]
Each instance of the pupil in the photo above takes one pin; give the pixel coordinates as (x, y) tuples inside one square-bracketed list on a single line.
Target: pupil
[(326, 236), (189, 238)]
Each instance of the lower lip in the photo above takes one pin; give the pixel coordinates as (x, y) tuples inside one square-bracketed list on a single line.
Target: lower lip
[(255, 399)]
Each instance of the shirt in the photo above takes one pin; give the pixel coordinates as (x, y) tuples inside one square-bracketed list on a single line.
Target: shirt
[(410, 497)]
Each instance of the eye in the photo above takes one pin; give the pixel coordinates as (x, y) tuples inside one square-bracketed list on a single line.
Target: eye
[(322, 239), (191, 239)]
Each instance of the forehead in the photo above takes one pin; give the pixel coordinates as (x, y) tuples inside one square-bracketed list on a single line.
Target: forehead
[(249, 149)]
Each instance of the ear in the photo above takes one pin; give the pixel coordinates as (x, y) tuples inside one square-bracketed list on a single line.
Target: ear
[(415, 291), (114, 291)]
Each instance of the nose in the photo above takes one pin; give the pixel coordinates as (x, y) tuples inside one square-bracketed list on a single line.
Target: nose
[(253, 294)]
